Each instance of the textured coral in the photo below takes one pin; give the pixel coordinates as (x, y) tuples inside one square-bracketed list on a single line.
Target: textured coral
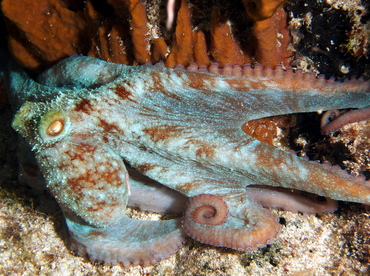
[(261, 9), (124, 32), (43, 32)]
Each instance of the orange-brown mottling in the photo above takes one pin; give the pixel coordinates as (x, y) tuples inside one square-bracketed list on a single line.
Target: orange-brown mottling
[(163, 132), (237, 84), (84, 147), (146, 167), (157, 84), (199, 83), (96, 234), (333, 179), (187, 187), (264, 164), (204, 150), (111, 177), (98, 206), (122, 92), (84, 106), (193, 186), (78, 184), (109, 128)]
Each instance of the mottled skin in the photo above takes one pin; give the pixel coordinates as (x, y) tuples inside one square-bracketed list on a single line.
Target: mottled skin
[(183, 129)]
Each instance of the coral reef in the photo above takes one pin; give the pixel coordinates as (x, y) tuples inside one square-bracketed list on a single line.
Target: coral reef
[(43, 32), (126, 32)]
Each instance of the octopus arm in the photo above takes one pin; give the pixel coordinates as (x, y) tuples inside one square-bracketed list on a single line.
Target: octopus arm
[(128, 241), (22, 88), (233, 93), (236, 163), (212, 100), (342, 120), (149, 195), (232, 221)]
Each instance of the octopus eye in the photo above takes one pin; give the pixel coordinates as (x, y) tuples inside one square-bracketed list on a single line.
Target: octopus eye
[(53, 125), (55, 128)]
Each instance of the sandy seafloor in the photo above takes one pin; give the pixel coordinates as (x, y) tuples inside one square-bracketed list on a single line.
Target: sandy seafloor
[(34, 238)]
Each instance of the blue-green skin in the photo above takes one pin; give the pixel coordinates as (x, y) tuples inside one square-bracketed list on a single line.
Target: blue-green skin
[(181, 129)]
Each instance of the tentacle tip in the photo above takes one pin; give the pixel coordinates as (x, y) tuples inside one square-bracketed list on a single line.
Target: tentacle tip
[(105, 247), (206, 209)]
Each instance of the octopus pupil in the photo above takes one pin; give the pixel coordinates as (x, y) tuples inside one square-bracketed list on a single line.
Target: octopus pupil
[(55, 128)]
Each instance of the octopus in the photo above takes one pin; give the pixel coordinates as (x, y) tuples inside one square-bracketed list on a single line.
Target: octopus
[(333, 120), (107, 136)]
